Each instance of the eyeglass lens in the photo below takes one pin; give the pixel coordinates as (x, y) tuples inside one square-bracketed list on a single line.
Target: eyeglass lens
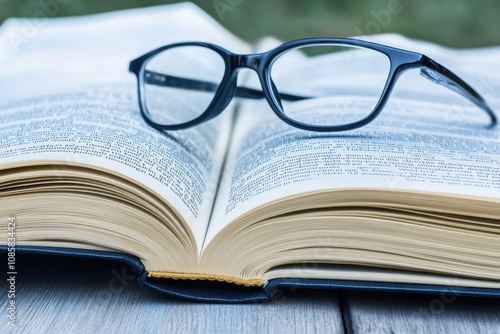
[(332, 78), (170, 96)]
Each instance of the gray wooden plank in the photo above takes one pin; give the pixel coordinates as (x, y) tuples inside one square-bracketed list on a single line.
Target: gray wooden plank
[(76, 297), (413, 313)]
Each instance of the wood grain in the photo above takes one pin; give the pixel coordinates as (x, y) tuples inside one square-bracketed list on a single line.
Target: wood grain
[(411, 313)]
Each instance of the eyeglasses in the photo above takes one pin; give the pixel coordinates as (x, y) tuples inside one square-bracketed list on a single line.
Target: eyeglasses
[(185, 84)]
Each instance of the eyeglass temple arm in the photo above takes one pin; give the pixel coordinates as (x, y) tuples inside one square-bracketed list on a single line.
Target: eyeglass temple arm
[(164, 80), (440, 75)]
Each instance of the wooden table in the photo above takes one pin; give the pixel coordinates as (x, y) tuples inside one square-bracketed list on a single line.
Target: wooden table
[(61, 295)]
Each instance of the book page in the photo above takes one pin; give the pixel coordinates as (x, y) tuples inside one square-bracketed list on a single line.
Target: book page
[(426, 139), (66, 97)]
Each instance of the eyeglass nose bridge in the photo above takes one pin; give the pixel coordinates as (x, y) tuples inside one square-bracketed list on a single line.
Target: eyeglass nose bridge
[(256, 62), (251, 61), (230, 85)]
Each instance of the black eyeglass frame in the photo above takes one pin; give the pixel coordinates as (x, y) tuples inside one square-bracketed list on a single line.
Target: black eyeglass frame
[(400, 62)]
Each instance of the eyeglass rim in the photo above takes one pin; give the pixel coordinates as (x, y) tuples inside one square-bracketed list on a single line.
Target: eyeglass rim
[(400, 61), (138, 67), (276, 53)]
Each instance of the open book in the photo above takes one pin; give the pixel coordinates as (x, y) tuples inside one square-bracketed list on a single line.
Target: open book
[(411, 200)]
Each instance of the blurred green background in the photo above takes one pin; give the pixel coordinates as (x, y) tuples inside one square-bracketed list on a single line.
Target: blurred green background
[(458, 23)]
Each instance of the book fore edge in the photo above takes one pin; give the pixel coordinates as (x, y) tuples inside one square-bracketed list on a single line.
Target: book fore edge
[(207, 277)]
